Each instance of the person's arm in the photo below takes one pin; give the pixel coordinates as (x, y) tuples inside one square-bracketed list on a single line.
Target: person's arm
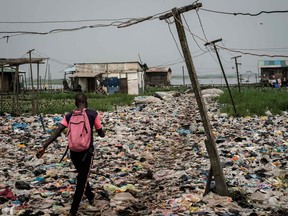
[(100, 132), (54, 136), (98, 126)]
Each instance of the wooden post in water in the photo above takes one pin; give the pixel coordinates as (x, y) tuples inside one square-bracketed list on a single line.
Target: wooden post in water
[(37, 101), (15, 92), (17, 89), (183, 76), (2, 87), (221, 187), (32, 87)]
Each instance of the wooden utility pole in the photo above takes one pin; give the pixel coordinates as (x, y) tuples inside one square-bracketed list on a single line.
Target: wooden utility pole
[(216, 168), (222, 69), (236, 64), (31, 78)]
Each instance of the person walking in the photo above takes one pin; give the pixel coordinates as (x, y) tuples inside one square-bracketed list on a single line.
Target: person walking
[(82, 160)]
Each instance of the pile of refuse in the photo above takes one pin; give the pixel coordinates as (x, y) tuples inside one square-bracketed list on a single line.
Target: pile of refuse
[(153, 161)]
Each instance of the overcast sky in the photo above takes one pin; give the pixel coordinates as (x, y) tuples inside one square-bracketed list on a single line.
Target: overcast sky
[(149, 42)]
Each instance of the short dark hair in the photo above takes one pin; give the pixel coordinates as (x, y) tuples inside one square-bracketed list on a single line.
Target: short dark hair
[(80, 98)]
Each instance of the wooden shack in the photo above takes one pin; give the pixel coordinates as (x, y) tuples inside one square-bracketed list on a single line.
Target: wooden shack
[(158, 76), (7, 78)]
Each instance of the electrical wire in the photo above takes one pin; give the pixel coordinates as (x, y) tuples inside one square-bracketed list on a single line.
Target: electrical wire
[(201, 25), (169, 23), (61, 21), (190, 31), (231, 50), (265, 49), (245, 14), (57, 30), (116, 23), (133, 21), (194, 35), (138, 20), (252, 54)]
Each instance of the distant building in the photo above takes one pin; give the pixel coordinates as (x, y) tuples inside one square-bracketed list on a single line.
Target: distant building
[(273, 72), (7, 79), (124, 77), (158, 76)]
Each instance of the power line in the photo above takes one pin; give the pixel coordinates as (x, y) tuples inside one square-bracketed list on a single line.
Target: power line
[(190, 31), (52, 59), (169, 23), (138, 20), (245, 14), (284, 49), (57, 30), (253, 54), (117, 23), (237, 51), (61, 21), (201, 25), (178, 62)]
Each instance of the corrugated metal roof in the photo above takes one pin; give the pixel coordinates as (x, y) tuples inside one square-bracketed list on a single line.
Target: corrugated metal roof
[(70, 69), (158, 69), (85, 74), (273, 63), (122, 67), (10, 70)]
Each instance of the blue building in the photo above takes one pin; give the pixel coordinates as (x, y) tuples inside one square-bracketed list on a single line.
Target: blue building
[(273, 72)]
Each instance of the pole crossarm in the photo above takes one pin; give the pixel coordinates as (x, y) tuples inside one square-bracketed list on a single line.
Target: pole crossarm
[(213, 42), (181, 10), (236, 57)]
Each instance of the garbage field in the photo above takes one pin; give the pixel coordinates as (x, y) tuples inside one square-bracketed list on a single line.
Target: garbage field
[(153, 161)]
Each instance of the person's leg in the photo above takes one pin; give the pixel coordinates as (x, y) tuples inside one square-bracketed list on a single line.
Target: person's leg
[(88, 192), (83, 170)]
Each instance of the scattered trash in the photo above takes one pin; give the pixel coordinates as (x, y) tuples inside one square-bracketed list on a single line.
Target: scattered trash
[(153, 161)]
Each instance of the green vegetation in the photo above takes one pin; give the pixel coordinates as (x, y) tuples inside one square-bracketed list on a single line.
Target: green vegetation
[(250, 101), (254, 101), (64, 102)]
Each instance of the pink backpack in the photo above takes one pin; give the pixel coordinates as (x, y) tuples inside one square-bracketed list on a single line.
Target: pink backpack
[(79, 131)]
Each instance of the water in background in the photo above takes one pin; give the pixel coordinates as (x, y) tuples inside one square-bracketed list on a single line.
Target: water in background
[(214, 80)]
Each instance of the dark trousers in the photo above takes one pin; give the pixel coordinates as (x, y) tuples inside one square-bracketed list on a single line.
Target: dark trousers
[(83, 170)]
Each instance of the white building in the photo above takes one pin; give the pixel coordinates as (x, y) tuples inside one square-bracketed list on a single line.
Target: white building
[(124, 77)]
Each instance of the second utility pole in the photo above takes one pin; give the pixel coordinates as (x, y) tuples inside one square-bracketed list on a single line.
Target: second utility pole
[(236, 64), (224, 75), (216, 168)]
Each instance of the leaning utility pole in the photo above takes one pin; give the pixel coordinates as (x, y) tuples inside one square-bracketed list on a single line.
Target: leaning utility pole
[(236, 64), (224, 75), (216, 168)]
